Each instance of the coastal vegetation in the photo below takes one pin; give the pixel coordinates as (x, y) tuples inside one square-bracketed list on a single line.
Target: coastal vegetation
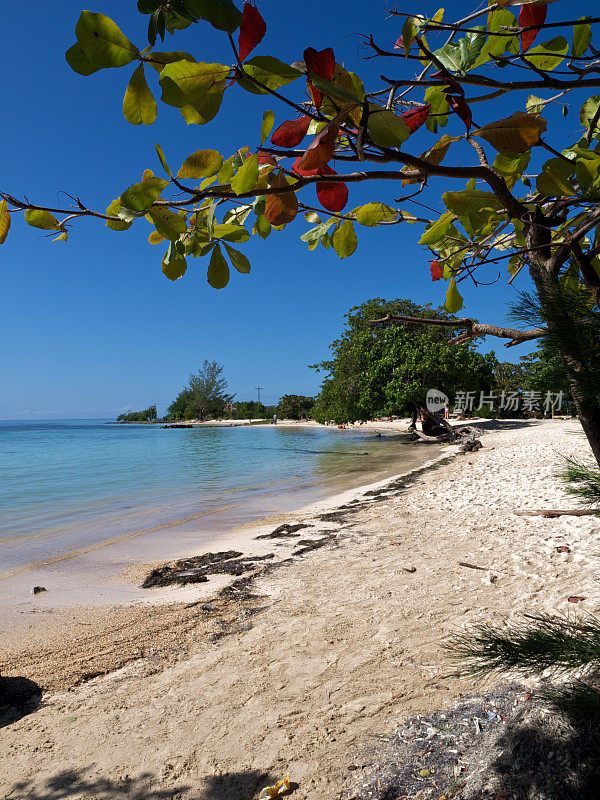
[(147, 415), (204, 396), (386, 369)]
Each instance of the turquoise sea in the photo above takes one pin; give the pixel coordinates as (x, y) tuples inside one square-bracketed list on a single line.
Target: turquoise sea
[(67, 485)]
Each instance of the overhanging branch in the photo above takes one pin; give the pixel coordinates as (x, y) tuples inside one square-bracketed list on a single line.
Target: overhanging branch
[(471, 328)]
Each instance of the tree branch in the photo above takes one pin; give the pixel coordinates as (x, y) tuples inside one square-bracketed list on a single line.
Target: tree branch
[(472, 328)]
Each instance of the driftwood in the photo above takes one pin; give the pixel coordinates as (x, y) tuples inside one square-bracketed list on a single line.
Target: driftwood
[(437, 430), (557, 512)]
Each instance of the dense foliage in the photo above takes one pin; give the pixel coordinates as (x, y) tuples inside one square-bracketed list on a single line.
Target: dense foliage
[(251, 409), (386, 369), (205, 396), (295, 406), (147, 415)]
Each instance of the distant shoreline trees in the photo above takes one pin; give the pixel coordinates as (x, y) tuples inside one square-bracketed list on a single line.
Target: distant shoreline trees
[(147, 415), (205, 396)]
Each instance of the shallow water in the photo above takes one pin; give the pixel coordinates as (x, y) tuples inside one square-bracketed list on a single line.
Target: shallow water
[(71, 485)]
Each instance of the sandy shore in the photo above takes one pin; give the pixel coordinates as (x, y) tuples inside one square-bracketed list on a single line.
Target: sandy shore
[(297, 670)]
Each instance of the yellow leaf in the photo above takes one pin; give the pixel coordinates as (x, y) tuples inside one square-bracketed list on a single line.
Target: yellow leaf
[(4, 221)]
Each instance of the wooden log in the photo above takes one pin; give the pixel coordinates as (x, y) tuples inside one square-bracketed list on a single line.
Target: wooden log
[(557, 512)]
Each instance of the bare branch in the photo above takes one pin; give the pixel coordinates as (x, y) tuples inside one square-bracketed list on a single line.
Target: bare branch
[(472, 328)]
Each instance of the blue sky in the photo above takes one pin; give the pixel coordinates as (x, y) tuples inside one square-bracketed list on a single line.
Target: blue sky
[(93, 327)]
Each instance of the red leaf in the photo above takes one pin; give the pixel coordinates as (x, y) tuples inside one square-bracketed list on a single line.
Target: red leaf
[(415, 117), (455, 95), (321, 63), (575, 599), (266, 158), (332, 195), (531, 15), (459, 105), (321, 149), (437, 270), (399, 43), (252, 30), (563, 548), (300, 171), (291, 132), (281, 208)]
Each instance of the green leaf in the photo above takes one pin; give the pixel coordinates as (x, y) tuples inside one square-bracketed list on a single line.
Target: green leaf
[(4, 221), (174, 268), (239, 260), (534, 105), (587, 172), (515, 134), (386, 129), (268, 121), (549, 55), (201, 164), (582, 37), (553, 180), (511, 166), (409, 32), (344, 240), (163, 160), (42, 219), (436, 231), (218, 270), (262, 226), (246, 178), (113, 211), (317, 231), (438, 115), (372, 214), (496, 46), (454, 301), (169, 225), (79, 62), (450, 56), (139, 105), (222, 14), (206, 109), (269, 71), (185, 83), (102, 41), (477, 211), (331, 89), (141, 196), (158, 60), (231, 232), (588, 111)]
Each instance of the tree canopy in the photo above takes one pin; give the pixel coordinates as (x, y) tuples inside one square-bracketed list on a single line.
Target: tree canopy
[(387, 369), (206, 395), (515, 193), (147, 415)]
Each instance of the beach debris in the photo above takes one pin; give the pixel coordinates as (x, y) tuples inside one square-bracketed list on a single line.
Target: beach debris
[(471, 566), (470, 446), (425, 773), (409, 569), (575, 599), (197, 569), (38, 589), (285, 531), (306, 545), (556, 512), (563, 548), (281, 787)]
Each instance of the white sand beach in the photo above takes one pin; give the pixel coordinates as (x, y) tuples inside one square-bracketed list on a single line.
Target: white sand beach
[(215, 698)]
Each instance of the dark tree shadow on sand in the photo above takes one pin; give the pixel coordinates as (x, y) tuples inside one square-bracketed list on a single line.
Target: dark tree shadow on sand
[(18, 697), (553, 756), (147, 786)]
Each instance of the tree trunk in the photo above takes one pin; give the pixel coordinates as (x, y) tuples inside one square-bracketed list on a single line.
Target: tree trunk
[(581, 375)]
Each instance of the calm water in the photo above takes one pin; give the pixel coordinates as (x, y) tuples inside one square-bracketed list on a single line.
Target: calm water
[(70, 484)]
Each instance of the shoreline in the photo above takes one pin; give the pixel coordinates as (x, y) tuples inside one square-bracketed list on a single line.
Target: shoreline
[(297, 669), (193, 534)]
